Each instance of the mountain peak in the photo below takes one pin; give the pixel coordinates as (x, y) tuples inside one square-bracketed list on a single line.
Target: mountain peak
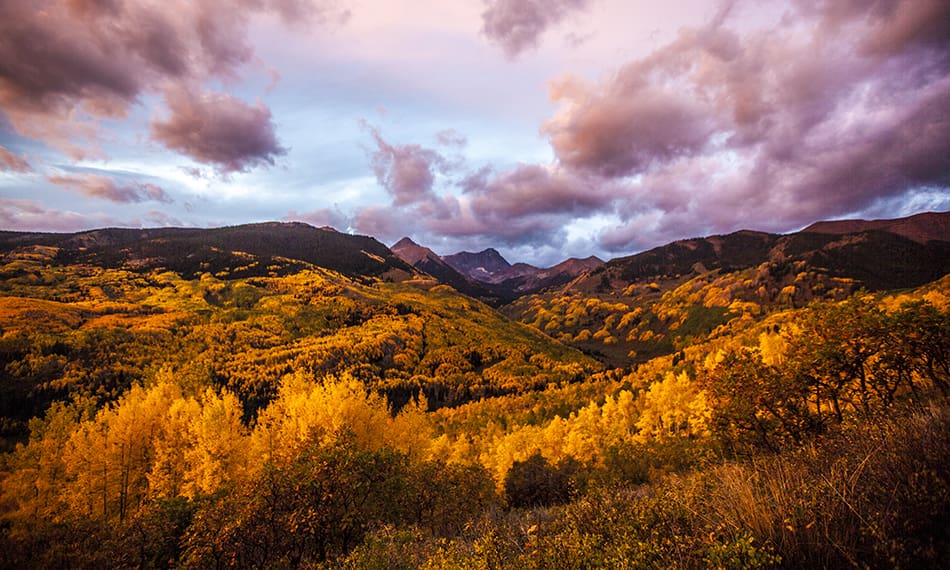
[(403, 243), (413, 253), (482, 266)]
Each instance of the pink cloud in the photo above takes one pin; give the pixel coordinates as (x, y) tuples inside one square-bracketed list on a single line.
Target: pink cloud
[(834, 109), (527, 204), (66, 64), (28, 215), (530, 189), (406, 171), (451, 138), (218, 129), (106, 188), (13, 163), (158, 218), (517, 25), (718, 130), (323, 217)]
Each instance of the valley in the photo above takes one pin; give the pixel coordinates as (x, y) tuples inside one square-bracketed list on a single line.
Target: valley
[(279, 395)]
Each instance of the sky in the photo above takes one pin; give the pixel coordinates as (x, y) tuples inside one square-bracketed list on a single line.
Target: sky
[(544, 128)]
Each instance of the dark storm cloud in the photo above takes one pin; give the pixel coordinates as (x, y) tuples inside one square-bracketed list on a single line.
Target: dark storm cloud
[(219, 130), (516, 25)]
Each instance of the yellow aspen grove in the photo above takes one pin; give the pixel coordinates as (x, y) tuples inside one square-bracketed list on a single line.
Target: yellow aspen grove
[(108, 458), (306, 412), (219, 445), (674, 407), (168, 474)]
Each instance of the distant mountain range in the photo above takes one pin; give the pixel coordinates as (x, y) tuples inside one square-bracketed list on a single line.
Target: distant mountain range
[(427, 261), (487, 273), (878, 254)]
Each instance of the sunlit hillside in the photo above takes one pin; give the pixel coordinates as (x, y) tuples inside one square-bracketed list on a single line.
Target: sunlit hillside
[(76, 331), (753, 415)]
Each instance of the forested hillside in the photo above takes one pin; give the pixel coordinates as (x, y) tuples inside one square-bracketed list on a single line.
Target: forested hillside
[(659, 301), (733, 414), (85, 331)]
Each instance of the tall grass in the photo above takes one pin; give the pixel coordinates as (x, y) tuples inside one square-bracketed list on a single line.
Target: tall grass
[(875, 495)]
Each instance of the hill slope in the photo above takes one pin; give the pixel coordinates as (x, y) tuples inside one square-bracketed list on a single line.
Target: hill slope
[(885, 254), (928, 226), (77, 329), (637, 307), (240, 251)]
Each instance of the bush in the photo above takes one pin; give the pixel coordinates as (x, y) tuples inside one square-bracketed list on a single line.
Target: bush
[(534, 482)]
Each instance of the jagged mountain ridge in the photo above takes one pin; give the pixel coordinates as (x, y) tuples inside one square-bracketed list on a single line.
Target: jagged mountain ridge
[(487, 266), (426, 260), (650, 304), (489, 271)]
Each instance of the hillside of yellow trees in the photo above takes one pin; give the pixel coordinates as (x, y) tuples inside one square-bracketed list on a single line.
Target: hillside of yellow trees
[(310, 418)]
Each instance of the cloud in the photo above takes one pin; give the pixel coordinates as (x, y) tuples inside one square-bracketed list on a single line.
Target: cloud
[(385, 224), (29, 215), (626, 128), (106, 188), (829, 110), (517, 25), (406, 171), (64, 65), (531, 189), (891, 25), (451, 138), (527, 204), (159, 218), (218, 129), (323, 217), (13, 163)]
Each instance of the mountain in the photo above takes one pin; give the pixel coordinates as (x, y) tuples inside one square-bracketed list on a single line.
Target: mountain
[(487, 266), (535, 279), (922, 228), (426, 260), (237, 251), (186, 421), (495, 274), (109, 318), (650, 304), (413, 253), (880, 254)]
